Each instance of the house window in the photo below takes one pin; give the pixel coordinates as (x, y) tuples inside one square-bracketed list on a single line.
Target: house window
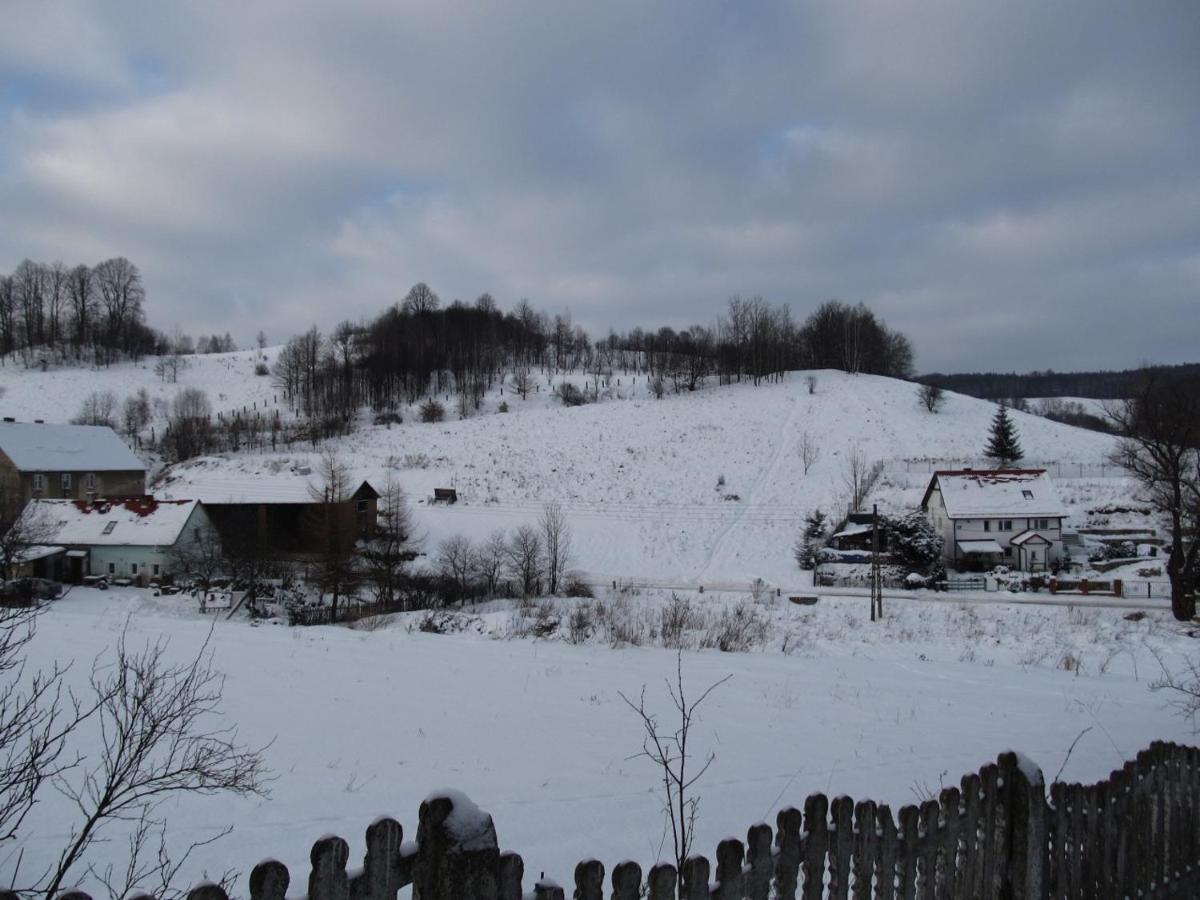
[(39, 483), (109, 526), (987, 526), (89, 481), (155, 569), (1008, 551), (362, 506), (133, 568), (112, 568), (66, 483), (1006, 525), (1043, 524), (1028, 495)]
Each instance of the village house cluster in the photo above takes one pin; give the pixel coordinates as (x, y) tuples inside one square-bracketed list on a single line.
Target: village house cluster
[(88, 514)]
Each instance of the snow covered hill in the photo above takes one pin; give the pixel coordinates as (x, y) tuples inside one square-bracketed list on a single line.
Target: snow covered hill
[(707, 486)]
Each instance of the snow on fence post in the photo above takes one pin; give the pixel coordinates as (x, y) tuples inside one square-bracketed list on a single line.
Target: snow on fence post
[(626, 881), (1025, 805), (589, 880), (787, 852), (661, 882), (759, 862), (269, 880), (457, 853)]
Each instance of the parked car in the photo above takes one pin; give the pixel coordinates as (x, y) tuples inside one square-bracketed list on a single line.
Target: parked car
[(31, 589)]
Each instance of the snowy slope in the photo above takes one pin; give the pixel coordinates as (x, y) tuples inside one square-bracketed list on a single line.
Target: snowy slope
[(56, 395), (638, 478)]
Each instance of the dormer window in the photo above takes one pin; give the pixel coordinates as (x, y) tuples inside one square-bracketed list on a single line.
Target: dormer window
[(109, 526), (1028, 495)]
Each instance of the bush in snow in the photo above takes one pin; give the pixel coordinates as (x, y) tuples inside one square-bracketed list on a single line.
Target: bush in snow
[(432, 411), (571, 395)]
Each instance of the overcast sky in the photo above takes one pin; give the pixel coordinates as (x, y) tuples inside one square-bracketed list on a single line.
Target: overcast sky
[(1014, 185)]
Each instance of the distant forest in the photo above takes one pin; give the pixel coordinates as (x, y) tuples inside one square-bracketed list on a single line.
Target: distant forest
[(1094, 385)]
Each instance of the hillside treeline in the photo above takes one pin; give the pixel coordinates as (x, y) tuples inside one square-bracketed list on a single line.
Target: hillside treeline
[(418, 348), (50, 311), (1095, 385)]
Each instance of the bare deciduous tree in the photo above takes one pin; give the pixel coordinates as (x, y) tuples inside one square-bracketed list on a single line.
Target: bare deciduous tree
[(1159, 430), (333, 568), (931, 397), (21, 527), (556, 544), (493, 555), (98, 408), (668, 749), (860, 476), (457, 561), (158, 738), (524, 553), (808, 451)]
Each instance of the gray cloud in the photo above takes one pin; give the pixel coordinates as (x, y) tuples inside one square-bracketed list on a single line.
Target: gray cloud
[(1013, 185)]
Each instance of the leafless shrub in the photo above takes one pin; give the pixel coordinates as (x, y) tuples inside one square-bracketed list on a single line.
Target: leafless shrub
[(737, 630), (670, 754), (678, 619)]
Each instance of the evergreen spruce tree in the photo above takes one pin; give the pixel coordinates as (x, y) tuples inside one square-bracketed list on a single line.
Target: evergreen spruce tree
[(812, 538), (1003, 444)]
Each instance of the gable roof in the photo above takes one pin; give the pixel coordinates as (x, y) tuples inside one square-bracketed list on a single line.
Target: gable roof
[(66, 448), (219, 485), (104, 523), (985, 493)]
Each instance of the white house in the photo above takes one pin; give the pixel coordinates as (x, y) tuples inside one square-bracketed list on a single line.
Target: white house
[(120, 538), (991, 516)]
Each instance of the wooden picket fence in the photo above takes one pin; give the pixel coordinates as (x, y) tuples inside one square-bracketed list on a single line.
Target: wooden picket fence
[(998, 835)]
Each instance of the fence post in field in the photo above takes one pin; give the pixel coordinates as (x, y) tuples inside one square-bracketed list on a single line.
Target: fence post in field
[(458, 857), (1025, 791)]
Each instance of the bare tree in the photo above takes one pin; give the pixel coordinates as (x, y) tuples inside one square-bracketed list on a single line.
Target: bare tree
[(668, 749), (157, 738), (522, 382), (333, 568), (491, 558), (22, 527), (931, 397), (98, 408), (810, 381), (860, 476), (201, 555), (808, 451), (456, 561), (420, 299), (1159, 445), (524, 553), (135, 414), (556, 544)]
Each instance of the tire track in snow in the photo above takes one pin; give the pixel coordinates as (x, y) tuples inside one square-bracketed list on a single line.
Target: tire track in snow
[(767, 474)]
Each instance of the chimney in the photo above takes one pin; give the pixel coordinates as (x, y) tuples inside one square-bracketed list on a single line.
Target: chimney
[(9, 419), (39, 421)]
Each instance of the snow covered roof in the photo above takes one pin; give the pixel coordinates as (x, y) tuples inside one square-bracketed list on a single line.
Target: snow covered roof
[(214, 484), (66, 448), (1029, 535), (969, 547), (853, 529), (985, 493), (105, 523)]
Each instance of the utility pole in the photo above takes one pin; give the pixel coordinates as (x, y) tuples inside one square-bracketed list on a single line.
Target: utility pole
[(876, 573)]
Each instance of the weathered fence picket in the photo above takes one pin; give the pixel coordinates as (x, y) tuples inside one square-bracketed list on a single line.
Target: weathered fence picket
[(997, 835)]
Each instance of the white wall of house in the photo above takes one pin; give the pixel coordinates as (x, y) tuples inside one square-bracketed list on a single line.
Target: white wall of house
[(130, 561), (1001, 529)]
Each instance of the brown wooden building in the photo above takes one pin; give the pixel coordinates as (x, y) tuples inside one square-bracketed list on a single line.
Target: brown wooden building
[(281, 513)]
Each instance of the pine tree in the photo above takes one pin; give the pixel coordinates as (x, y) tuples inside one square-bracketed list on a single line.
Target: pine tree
[(812, 538), (1003, 444)]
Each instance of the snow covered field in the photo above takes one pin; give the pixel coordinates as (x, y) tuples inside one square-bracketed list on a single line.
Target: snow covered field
[(363, 722)]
